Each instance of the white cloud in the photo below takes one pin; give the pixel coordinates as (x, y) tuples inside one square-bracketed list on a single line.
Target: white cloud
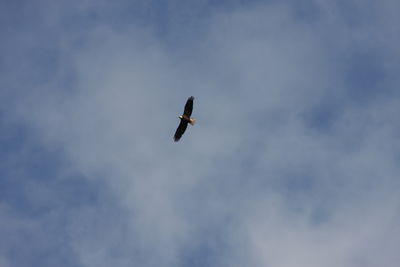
[(284, 193)]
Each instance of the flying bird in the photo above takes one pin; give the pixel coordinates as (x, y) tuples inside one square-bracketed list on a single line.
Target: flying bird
[(185, 119)]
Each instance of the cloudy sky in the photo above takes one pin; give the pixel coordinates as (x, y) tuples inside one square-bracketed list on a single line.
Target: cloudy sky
[(294, 160)]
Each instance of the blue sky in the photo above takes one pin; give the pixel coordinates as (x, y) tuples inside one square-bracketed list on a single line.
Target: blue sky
[(294, 160)]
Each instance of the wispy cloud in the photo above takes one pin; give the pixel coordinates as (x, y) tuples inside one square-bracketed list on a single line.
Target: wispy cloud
[(293, 162)]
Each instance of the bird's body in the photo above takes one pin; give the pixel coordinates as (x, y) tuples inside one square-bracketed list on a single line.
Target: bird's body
[(185, 119), (188, 119)]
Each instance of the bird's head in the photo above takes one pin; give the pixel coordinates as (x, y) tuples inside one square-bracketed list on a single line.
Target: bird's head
[(180, 117)]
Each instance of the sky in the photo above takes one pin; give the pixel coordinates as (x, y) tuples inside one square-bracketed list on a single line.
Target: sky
[(294, 160)]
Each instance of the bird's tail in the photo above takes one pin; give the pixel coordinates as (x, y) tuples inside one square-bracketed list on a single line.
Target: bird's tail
[(192, 121)]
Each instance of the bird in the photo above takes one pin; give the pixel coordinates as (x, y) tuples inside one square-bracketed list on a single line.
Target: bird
[(185, 119)]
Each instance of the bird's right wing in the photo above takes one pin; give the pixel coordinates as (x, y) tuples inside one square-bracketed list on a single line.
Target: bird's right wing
[(188, 107), (180, 130)]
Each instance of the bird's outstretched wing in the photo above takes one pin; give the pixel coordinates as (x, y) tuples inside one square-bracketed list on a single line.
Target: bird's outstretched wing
[(188, 107), (180, 130)]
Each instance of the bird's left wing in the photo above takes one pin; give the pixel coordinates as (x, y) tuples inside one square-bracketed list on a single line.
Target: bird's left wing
[(180, 130)]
